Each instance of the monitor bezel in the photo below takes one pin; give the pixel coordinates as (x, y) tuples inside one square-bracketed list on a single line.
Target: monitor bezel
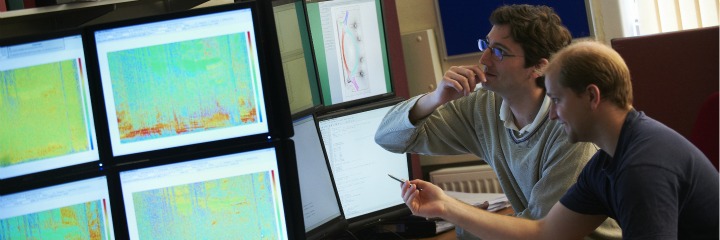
[(66, 171), (371, 219), (273, 84), (315, 90), (338, 224)]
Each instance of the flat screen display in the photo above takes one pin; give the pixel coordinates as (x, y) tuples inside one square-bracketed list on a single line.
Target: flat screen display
[(46, 119), (296, 53), (220, 197), (181, 80), (320, 205), (349, 43), (75, 210), (360, 167)]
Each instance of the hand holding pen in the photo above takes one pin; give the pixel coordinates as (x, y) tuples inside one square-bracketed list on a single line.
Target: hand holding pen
[(402, 181)]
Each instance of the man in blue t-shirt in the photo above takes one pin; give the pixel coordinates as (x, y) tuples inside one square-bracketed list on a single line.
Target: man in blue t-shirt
[(649, 178)]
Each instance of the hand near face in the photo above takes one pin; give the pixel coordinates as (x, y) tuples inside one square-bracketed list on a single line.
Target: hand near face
[(460, 81)]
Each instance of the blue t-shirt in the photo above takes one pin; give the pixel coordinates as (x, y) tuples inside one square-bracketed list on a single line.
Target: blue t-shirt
[(658, 185)]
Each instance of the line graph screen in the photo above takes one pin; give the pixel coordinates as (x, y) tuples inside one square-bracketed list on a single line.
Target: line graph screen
[(350, 49)]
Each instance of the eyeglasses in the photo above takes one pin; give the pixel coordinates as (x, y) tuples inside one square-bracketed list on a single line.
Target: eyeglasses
[(498, 53)]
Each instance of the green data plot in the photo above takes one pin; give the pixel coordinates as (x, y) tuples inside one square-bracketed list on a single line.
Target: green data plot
[(42, 113)]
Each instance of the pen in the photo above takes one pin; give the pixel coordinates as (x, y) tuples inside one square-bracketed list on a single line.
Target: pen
[(401, 180)]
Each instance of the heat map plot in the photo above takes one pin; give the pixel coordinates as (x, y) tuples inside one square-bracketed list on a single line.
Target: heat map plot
[(43, 112), (184, 87), (352, 52), (80, 221), (239, 207)]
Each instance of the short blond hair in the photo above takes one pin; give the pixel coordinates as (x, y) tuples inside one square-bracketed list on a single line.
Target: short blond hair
[(588, 62)]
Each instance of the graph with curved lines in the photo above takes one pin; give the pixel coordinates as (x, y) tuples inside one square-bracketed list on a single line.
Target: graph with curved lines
[(352, 52)]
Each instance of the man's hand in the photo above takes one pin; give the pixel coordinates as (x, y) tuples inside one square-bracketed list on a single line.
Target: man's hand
[(459, 81)]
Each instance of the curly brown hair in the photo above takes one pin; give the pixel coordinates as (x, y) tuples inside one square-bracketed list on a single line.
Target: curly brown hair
[(538, 29)]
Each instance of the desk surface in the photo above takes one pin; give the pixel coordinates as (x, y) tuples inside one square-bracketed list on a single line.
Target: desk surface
[(450, 235)]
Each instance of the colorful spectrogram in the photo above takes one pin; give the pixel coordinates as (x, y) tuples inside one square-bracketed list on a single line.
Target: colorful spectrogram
[(238, 207), (184, 87), (80, 221), (42, 112)]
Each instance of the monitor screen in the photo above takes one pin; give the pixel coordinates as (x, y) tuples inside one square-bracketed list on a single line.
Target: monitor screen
[(350, 50), (296, 52), (46, 120), (185, 78), (359, 166), (217, 197), (321, 211), (74, 210)]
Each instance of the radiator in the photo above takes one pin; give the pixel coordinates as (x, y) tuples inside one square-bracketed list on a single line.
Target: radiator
[(470, 179)]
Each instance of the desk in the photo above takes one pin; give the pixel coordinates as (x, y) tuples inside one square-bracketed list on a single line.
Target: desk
[(450, 235)]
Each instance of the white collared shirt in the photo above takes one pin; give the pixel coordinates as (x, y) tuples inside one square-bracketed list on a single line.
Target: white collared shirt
[(509, 120)]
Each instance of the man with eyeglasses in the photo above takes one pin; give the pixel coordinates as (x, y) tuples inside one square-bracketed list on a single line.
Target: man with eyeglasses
[(505, 122), (651, 179)]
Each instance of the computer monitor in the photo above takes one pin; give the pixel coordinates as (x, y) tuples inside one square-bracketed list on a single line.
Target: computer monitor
[(237, 193), (74, 210), (350, 50), (360, 167), (320, 203), (46, 121), (172, 82), (297, 57)]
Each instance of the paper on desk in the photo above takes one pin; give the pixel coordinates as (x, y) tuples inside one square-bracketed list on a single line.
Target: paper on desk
[(442, 226), (497, 201)]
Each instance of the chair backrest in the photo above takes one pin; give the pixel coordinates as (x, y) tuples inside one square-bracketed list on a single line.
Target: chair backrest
[(672, 73), (705, 133)]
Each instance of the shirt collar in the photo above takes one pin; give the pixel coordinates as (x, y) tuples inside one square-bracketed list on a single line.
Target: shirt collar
[(509, 120)]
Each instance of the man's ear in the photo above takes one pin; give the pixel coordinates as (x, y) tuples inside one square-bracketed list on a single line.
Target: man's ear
[(593, 93), (539, 69)]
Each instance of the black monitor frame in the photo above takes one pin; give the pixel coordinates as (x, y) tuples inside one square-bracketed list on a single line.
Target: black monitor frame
[(335, 225), (273, 84), (306, 41), (366, 221), (38, 183), (287, 172), (365, 100)]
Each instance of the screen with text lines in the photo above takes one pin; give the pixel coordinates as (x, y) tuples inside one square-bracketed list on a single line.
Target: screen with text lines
[(360, 167)]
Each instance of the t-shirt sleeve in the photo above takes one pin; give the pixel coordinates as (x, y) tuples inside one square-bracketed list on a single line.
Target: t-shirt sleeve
[(580, 197), (648, 203)]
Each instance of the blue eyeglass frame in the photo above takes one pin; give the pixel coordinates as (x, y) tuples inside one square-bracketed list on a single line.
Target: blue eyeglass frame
[(498, 53)]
